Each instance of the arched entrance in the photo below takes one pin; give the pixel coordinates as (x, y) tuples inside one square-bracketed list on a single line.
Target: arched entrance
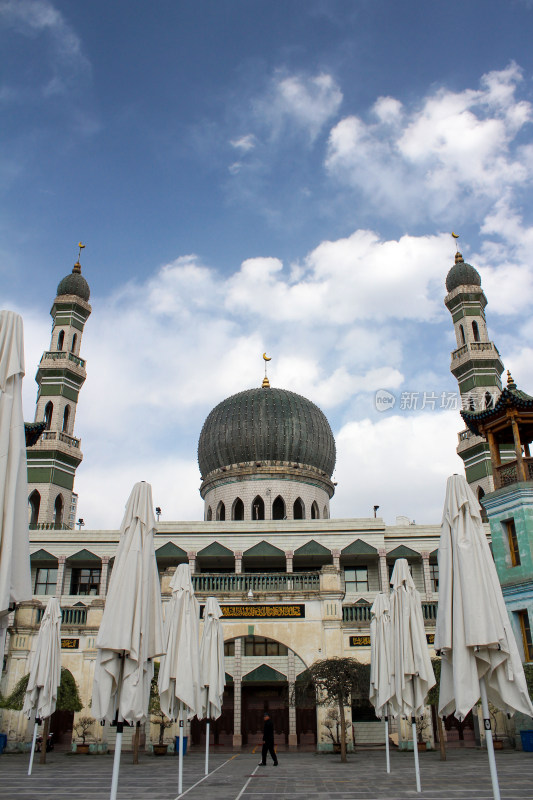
[(261, 674)]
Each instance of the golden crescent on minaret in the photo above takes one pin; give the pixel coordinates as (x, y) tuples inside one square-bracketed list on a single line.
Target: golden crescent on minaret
[(266, 358), (455, 235)]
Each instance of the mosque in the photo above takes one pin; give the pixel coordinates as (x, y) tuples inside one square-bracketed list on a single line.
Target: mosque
[(295, 584)]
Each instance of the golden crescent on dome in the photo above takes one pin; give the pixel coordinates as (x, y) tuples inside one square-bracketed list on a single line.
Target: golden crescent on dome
[(266, 358), (455, 235)]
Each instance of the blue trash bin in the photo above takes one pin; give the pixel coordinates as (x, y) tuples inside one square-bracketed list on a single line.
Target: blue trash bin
[(177, 744), (3, 742), (527, 741)]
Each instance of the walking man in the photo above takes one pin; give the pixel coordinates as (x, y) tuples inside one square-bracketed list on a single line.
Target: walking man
[(268, 742)]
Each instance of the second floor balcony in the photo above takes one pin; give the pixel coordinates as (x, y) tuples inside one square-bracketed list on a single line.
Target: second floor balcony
[(241, 583)]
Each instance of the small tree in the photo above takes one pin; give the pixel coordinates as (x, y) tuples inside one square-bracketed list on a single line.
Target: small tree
[(433, 701), (336, 681), (83, 726), (158, 717), (68, 699)]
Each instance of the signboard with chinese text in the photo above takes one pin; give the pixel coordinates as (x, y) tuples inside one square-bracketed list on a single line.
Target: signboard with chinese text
[(259, 611)]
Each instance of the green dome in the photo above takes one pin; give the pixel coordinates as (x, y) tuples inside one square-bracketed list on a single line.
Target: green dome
[(75, 283), (266, 424), (462, 274)]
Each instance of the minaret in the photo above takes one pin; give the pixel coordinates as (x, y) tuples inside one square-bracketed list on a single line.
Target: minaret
[(53, 460), (476, 365)]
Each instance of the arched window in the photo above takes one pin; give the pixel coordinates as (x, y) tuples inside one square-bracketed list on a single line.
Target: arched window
[(258, 508), (475, 331), (298, 509), (278, 508), (315, 514), (221, 512), (35, 504), (325, 514), (58, 511), (462, 332), (489, 400), (209, 516), (237, 511), (480, 496), (61, 340), (74, 340), (66, 415), (48, 411)]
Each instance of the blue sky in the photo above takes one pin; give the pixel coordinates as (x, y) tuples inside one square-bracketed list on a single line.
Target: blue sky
[(278, 176)]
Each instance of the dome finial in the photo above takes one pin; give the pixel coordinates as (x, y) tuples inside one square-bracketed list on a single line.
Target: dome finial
[(266, 382), (510, 381), (456, 237), (77, 265)]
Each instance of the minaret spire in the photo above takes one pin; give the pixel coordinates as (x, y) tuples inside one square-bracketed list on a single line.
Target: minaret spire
[(53, 460)]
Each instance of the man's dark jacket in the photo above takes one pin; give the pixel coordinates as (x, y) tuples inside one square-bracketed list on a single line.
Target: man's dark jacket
[(268, 732)]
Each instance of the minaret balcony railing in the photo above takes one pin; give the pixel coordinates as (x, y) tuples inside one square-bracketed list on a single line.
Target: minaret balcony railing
[(50, 436), (239, 583), (474, 347), (508, 473), (60, 355)]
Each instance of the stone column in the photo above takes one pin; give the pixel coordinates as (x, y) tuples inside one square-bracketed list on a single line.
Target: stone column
[(60, 575), (192, 561), (104, 575), (238, 561), (291, 676), (288, 558), (383, 570), (237, 696), (428, 588), (336, 559)]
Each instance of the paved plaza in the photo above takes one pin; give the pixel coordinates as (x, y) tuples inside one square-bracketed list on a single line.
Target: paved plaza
[(305, 776)]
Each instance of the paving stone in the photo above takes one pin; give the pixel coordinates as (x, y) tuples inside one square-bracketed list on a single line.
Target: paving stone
[(299, 776)]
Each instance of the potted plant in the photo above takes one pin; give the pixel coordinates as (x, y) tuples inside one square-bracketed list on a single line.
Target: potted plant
[(159, 718), (496, 740), (332, 726), (82, 727), (422, 724)]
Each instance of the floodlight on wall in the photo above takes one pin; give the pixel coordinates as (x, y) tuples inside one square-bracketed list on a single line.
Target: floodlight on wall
[(158, 512), (80, 523)]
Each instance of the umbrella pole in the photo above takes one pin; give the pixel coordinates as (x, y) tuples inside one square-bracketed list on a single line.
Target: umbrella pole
[(387, 742), (207, 747), (116, 760), (180, 752), (37, 723), (488, 738), (415, 751)]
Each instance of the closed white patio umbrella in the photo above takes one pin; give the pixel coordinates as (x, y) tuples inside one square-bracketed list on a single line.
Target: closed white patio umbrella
[(45, 672), (412, 671), (381, 662), (15, 581), (212, 666), (131, 632), (473, 633), (180, 678)]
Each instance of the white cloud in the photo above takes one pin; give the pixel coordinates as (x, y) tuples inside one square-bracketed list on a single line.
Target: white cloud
[(66, 61), (452, 146), (300, 103), (399, 463), (244, 143)]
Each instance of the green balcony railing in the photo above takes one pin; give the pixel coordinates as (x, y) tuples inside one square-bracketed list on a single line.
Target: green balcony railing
[(362, 613), (238, 583), (69, 616)]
